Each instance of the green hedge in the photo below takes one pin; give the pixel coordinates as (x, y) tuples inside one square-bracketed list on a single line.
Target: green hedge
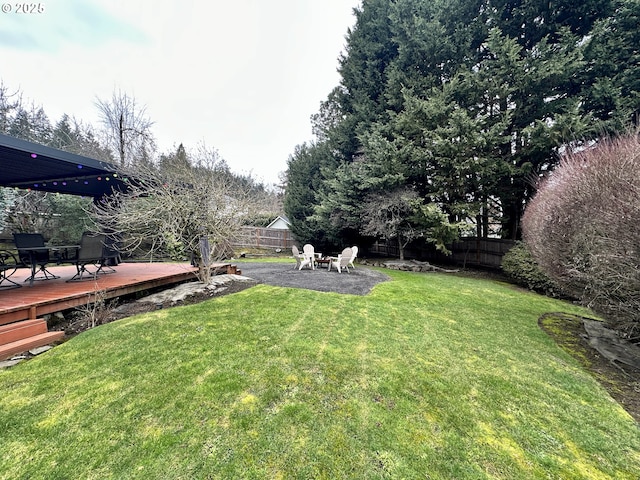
[(520, 266)]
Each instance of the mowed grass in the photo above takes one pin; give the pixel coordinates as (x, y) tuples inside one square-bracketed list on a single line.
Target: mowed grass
[(430, 376)]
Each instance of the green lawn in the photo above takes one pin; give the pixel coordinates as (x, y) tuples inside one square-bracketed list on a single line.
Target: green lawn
[(430, 376)]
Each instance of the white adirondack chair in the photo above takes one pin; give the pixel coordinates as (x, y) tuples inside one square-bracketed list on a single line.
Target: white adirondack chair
[(308, 252), (297, 256), (354, 251), (342, 262)]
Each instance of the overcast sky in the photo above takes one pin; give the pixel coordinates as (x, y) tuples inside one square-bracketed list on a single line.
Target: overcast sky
[(240, 76)]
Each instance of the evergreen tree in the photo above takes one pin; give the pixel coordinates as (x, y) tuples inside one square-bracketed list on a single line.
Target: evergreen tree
[(73, 136), (337, 212), (524, 96), (178, 159), (63, 136), (370, 51), (30, 124), (470, 98), (612, 73), (304, 177)]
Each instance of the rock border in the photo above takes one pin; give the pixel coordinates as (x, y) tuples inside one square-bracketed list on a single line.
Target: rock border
[(406, 265)]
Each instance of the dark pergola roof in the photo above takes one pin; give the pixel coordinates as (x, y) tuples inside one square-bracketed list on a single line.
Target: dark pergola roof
[(32, 166)]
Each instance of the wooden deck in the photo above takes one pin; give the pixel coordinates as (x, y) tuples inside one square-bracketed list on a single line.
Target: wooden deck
[(49, 296)]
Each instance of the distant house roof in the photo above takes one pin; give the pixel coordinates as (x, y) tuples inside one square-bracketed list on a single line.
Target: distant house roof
[(281, 222), (33, 166)]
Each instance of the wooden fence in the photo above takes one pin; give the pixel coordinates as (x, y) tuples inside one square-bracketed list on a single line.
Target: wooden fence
[(468, 251), (257, 237), (480, 252)]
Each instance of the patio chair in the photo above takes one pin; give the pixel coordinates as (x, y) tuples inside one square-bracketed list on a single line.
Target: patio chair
[(8, 266), (297, 256), (354, 250), (110, 254), (342, 261), (33, 253), (91, 252), (309, 257)]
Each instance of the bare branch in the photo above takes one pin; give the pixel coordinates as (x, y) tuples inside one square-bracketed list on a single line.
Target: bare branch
[(127, 128), (168, 210)]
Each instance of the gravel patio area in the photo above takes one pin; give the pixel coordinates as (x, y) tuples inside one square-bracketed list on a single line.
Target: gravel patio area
[(359, 282)]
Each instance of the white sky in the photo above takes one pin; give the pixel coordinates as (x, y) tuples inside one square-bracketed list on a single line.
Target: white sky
[(240, 76)]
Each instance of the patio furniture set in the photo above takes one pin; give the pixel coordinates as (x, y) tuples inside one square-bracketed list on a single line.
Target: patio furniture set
[(312, 259), (97, 251)]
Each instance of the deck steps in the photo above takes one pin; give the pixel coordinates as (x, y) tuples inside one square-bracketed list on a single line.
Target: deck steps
[(21, 336)]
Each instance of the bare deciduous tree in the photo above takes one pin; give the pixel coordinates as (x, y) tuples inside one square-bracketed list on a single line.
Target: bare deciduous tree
[(127, 128), (10, 102), (170, 210), (401, 215), (28, 211)]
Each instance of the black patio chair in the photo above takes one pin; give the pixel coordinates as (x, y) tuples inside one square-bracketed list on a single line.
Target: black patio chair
[(111, 256), (90, 253), (8, 266), (33, 253)]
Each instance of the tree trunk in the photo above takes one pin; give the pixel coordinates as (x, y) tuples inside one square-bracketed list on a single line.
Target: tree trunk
[(485, 218), (121, 139), (511, 222), (400, 248)]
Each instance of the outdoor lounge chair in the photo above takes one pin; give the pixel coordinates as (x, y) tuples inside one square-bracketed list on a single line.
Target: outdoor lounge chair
[(354, 250), (91, 252), (309, 257), (33, 253), (342, 261), (110, 254), (297, 256)]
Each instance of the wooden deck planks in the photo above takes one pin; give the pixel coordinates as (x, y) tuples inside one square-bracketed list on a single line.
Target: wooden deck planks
[(48, 296)]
